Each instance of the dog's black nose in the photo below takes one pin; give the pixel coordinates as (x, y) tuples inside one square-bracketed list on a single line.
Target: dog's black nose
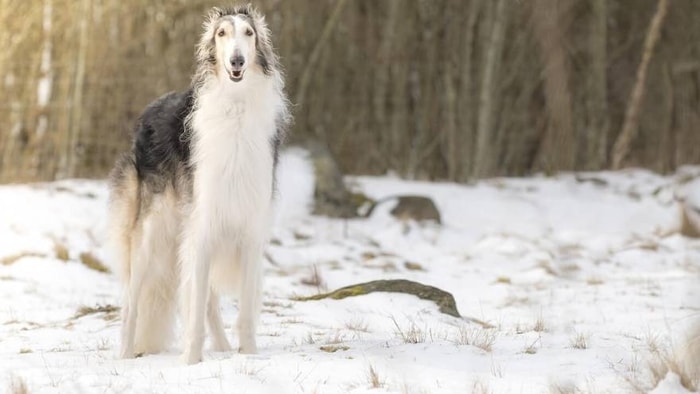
[(237, 62)]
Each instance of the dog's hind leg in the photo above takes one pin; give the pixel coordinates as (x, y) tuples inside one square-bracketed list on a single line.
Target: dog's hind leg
[(216, 325), (250, 294), (128, 325), (156, 313), (156, 317), (132, 293), (125, 231)]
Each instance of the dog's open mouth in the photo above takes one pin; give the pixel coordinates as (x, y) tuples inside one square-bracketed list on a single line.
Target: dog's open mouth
[(236, 76)]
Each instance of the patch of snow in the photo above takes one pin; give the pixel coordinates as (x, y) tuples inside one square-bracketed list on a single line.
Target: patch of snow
[(578, 280)]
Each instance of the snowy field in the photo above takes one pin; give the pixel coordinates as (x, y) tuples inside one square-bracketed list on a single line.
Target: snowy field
[(581, 282)]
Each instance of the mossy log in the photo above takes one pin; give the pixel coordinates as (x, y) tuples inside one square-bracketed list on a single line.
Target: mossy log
[(444, 300)]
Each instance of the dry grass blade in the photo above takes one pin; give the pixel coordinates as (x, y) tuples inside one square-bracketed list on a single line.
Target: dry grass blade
[(9, 260), (539, 325), (357, 325), (578, 341), (374, 381), (481, 338), (92, 262), (411, 335), (89, 310), (333, 348), (61, 251), (315, 280)]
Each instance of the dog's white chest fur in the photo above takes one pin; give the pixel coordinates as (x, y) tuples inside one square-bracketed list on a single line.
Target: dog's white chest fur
[(233, 161)]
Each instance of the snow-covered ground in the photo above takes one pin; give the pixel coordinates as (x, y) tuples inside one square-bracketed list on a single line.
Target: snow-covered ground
[(582, 280)]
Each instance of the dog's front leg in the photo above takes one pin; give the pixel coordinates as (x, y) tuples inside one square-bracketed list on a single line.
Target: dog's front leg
[(216, 325), (195, 266), (250, 296)]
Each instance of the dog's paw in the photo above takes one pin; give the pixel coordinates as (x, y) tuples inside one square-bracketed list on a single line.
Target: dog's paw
[(127, 354), (248, 349), (191, 358), (247, 343)]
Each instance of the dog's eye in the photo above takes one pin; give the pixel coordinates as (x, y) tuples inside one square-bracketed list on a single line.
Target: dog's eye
[(248, 32), (221, 33)]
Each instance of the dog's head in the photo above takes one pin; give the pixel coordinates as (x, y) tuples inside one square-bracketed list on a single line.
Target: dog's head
[(236, 41)]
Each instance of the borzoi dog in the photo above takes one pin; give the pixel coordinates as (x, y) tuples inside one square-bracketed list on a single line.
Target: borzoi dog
[(191, 202)]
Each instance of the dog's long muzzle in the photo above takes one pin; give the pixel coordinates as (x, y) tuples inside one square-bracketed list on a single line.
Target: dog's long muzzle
[(237, 68)]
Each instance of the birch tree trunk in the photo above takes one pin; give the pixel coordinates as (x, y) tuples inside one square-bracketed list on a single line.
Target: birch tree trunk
[(71, 152), (484, 156), (630, 126)]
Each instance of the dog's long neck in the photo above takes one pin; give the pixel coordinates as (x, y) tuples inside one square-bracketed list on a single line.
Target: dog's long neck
[(232, 126), (224, 106)]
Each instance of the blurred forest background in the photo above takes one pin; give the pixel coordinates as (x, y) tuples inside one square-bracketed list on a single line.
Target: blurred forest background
[(430, 89)]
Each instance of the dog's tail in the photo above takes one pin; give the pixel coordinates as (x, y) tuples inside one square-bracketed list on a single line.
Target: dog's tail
[(123, 211)]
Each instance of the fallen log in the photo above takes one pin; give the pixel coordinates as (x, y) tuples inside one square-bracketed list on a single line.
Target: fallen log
[(444, 300)]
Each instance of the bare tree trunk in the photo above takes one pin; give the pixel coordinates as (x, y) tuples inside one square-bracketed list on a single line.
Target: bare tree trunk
[(520, 129), (71, 152), (400, 110), (630, 126), (316, 52), (452, 141), (485, 149), (557, 143), (424, 96), (382, 87), (462, 145), (669, 160), (597, 138)]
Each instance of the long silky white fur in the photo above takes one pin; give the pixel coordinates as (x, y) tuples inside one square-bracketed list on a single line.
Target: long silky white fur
[(227, 227)]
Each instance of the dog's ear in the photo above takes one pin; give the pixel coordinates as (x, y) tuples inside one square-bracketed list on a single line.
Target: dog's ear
[(206, 51), (265, 53), (214, 14), (246, 9)]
